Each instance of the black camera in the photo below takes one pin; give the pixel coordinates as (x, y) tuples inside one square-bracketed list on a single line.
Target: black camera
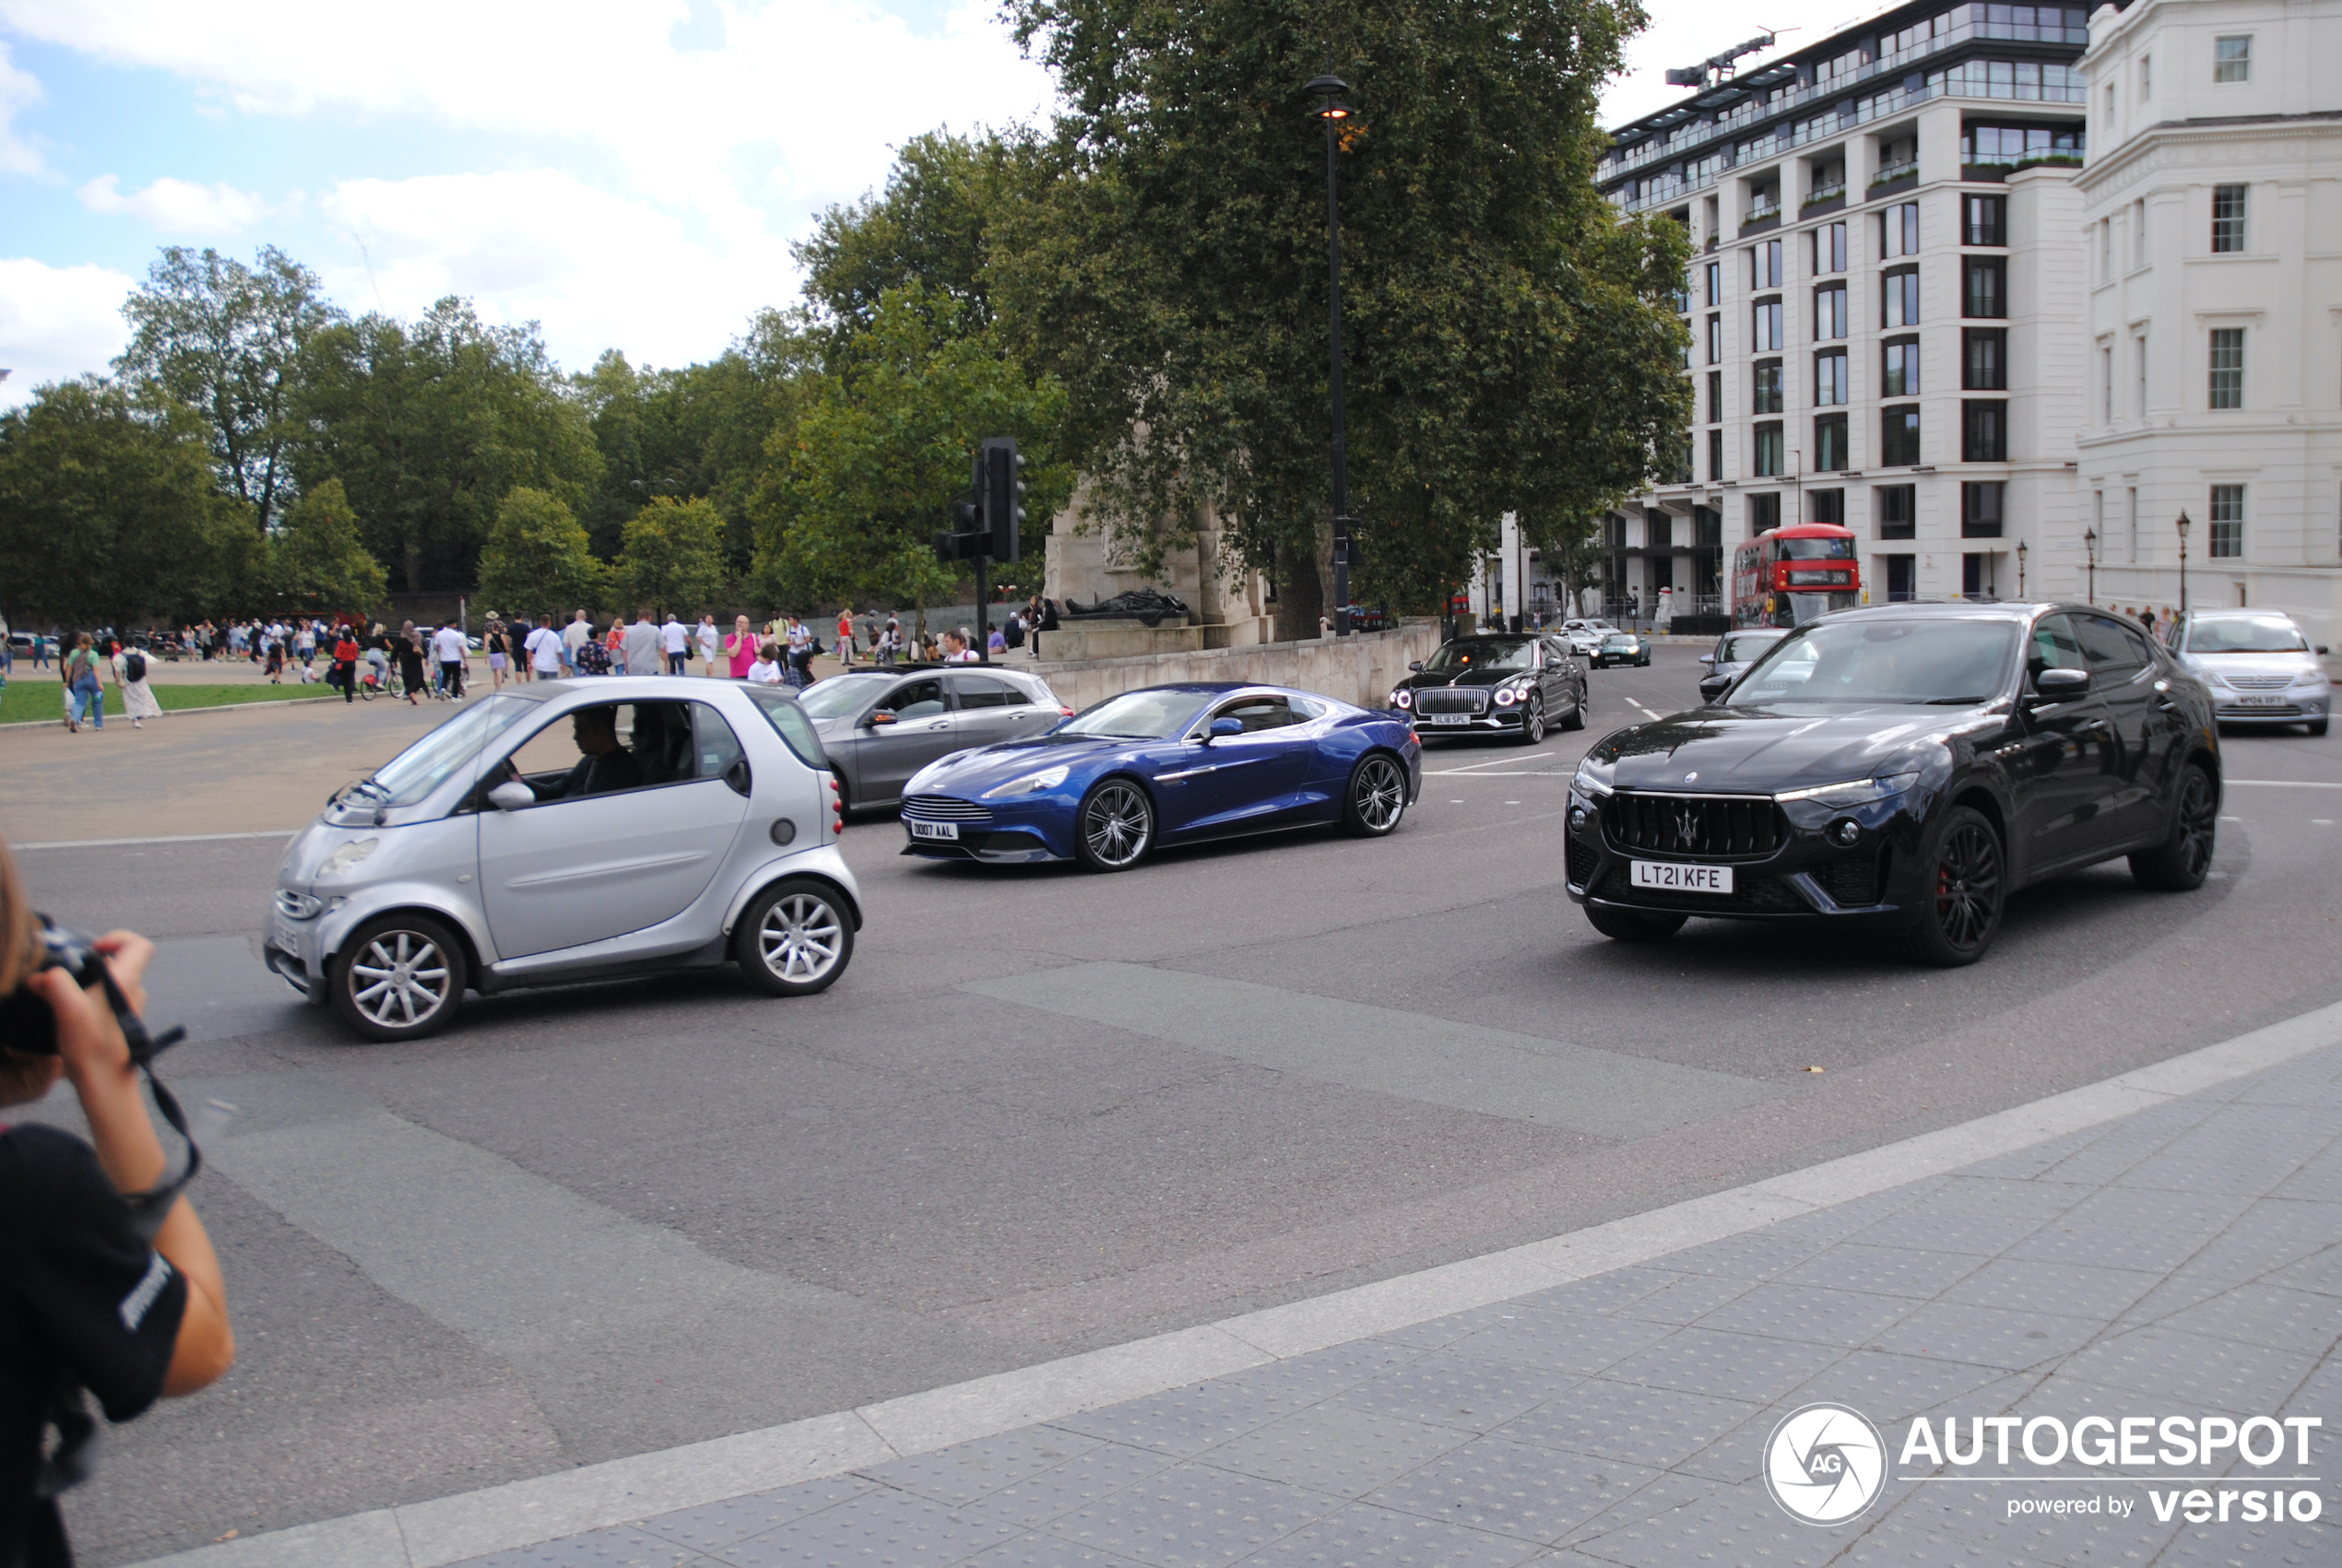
[(25, 1023)]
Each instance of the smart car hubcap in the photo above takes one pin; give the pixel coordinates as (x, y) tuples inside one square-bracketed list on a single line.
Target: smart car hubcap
[(1967, 880), (1382, 795), (801, 938), (399, 979), (1115, 825)]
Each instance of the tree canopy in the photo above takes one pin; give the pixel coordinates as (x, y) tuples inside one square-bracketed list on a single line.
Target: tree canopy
[(538, 559), (672, 558), (319, 564)]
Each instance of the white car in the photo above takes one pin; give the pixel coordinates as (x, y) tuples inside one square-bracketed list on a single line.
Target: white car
[(2261, 668), (1585, 636)]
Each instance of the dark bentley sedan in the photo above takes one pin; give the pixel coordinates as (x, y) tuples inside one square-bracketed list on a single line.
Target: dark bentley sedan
[(1906, 766), (1496, 685)]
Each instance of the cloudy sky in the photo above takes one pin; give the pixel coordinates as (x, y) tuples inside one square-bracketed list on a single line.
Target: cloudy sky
[(628, 172)]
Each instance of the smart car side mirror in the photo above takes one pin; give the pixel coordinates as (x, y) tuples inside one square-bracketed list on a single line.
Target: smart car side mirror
[(2061, 685), (1708, 659), (511, 795)]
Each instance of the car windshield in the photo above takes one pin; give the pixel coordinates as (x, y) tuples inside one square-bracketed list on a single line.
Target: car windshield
[(2247, 634), (1617, 638), (424, 766), (1817, 549), (841, 695), (1143, 715), (1942, 662), (788, 719), (1482, 653), (1740, 649)]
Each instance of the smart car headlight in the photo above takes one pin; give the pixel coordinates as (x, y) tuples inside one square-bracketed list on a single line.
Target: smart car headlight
[(1854, 792), (346, 857), (1593, 775), (1031, 783)]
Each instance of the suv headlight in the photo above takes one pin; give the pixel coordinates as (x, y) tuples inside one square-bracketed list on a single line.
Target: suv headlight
[(1031, 783), (346, 857), (1593, 775), (1854, 792)]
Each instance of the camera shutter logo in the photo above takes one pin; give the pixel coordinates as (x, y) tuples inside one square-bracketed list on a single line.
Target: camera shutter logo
[(1825, 1464)]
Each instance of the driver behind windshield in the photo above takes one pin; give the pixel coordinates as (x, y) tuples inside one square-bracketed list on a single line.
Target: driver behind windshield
[(606, 765), (1483, 653)]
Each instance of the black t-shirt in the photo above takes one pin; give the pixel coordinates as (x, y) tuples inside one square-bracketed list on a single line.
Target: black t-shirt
[(82, 1295)]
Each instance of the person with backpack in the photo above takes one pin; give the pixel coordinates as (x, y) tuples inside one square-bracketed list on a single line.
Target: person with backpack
[(138, 697), (85, 687)]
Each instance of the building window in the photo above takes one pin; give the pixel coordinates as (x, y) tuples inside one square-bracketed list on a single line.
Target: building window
[(1903, 580), (1830, 379), (1764, 264), (1896, 509), (1979, 509), (2227, 217), (1975, 576), (1899, 376), (1766, 389), (1715, 339), (1770, 451), (1715, 456), (2227, 519), (1901, 297), (1658, 530), (1984, 286), (1830, 446), (1825, 506), (2106, 384), (1983, 435), (1829, 312), (1898, 435), (2105, 249), (2141, 409), (2010, 145), (1829, 248), (1898, 158), (1764, 513), (1769, 337), (1984, 220), (2232, 59), (2146, 79), (2227, 366), (2131, 518), (2139, 257), (1715, 284), (1899, 231), (1715, 397)]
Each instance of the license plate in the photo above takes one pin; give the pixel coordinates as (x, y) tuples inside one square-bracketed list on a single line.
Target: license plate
[(948, 831), (287, 938), (2261, 701), (1675, 877), (1447, 718)]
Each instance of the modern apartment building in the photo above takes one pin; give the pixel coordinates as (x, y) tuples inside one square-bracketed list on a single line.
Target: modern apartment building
[(2212, 247), (1884, 305)]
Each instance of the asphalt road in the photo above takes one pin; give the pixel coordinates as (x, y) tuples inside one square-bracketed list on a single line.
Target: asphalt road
[(1047, 1110)]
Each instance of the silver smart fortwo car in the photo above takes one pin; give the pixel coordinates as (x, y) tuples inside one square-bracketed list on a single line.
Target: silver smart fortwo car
[(567, 831)]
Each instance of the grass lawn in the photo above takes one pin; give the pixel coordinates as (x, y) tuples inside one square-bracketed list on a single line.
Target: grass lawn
[(40, 698)]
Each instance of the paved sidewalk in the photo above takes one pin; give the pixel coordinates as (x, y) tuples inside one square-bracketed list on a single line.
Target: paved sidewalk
[(2185, 1260)]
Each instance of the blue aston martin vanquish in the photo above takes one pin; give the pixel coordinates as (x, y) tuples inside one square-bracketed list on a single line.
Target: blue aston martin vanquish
[(1168, 764)]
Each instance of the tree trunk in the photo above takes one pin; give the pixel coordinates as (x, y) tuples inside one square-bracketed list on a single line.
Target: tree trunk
[(1301, 597)]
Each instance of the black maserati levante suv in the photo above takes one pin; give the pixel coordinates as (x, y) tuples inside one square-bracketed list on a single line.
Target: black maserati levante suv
[(1904, 765), (1496, 685)]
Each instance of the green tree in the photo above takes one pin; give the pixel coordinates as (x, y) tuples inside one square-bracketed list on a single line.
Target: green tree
[(885, 447), (430, 425), (538, 559), (320, 566), (1508, 338), (673, 558), (230, 341), (109, 515)]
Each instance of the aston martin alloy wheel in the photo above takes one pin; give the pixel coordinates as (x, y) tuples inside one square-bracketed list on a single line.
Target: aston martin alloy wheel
[(1377, 797), (1966, 885), (795, 939), (1114, 826), (400, 977)]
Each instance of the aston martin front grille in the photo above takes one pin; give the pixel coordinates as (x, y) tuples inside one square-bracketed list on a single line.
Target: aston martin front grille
[(945, 808), (1698, 826)]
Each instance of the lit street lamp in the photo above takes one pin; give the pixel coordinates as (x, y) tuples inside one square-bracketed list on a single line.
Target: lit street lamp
[(2089, 545), (2183, 561), (1333, 111)]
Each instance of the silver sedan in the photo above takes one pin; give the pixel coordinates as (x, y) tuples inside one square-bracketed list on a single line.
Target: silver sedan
[(880, 727), (567, 831), (2261, 668)]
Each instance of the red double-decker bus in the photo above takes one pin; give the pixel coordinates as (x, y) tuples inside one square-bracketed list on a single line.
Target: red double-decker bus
[(1789, 576)]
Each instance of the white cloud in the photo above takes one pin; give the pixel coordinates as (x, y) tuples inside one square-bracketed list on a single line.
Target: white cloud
[(57, 322), (178, 207), (18, 92)]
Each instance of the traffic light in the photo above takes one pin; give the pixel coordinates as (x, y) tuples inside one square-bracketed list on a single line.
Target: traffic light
[(968, 538), (1003, 490)]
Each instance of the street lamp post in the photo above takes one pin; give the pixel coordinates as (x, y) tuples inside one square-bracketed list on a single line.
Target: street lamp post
[(2020, 572), (1333, 111), (2183, 561), (2089, 546)]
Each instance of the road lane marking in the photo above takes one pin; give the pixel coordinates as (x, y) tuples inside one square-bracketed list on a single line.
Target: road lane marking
[(179, 838), (1493, 762), (1437, 1061), (2283, 783)]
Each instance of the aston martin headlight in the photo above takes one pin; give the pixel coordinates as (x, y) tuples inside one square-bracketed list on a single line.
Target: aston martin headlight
[(1031, 783), (1854, 792), (1593, 775), (346, 857)]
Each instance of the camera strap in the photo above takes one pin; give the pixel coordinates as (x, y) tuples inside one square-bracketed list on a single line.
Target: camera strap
[(147, 1209)]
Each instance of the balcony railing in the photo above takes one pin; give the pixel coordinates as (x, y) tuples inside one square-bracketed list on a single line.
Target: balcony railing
[(1821, 193), (1760, 212), (1894, 171)]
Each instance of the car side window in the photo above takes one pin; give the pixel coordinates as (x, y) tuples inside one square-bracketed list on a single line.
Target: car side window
[(2056, 645), (2115, 653), (986, 691), (1258, 712), (715, 748), (916, 699)]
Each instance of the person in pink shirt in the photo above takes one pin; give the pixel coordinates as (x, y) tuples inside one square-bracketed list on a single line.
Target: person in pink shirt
[(740, 647)]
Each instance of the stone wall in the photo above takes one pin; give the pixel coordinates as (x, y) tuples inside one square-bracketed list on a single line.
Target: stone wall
[(1360, 669)]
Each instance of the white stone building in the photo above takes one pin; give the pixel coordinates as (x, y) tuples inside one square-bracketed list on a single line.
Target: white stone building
[(2212, 214)]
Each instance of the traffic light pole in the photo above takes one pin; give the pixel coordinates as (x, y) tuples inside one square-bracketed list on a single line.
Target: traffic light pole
[(1341, 464), (983, 608)]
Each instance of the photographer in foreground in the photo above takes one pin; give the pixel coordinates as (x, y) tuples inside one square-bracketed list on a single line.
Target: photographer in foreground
[(86, 1301)]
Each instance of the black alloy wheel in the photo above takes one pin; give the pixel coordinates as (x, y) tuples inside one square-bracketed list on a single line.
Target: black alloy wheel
[(2181, 862), (1966, 886), (1532, 720), (1114, 826), (1634, 925), (399, 977), (1377, 797)]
